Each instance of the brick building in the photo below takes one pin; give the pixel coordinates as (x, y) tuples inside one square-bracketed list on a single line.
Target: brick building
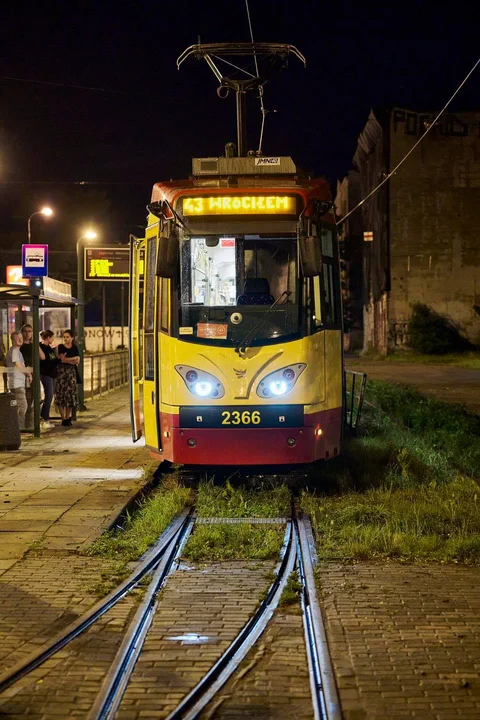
[(425, 222)]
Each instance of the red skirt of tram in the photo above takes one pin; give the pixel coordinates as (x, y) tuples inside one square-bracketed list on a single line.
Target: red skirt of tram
[(319, 438)]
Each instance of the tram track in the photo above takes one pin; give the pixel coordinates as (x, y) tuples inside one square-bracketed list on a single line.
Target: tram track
[(162, 560)]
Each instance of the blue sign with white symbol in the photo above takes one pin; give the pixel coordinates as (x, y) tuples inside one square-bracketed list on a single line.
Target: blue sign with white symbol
[(34, 260)]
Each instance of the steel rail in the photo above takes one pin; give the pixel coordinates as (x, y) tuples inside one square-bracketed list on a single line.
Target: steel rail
[(218, 675), (322, 680), (117, 679), (149, 563)]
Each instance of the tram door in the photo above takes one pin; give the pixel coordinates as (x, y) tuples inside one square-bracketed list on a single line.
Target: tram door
[(151, 385), (135, 324)]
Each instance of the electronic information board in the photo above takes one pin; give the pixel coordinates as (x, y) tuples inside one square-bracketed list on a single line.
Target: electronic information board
[(107, 263)]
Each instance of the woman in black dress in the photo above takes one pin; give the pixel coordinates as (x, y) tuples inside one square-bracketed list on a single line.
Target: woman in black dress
[(66, 385)]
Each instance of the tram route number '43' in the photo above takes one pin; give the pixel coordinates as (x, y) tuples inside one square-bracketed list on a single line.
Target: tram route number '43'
[(235, 417)]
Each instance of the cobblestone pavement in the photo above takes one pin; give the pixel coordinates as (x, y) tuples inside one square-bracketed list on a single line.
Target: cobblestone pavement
[(40, 596), (201, 612), (405, 640), (65, 488), (66, 685), (273, 681), (446, 382)]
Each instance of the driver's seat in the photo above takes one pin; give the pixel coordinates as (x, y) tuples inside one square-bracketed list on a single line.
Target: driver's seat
[(256, 291)]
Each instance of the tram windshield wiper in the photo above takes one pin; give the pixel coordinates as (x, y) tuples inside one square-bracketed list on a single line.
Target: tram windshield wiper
[(243, 344)]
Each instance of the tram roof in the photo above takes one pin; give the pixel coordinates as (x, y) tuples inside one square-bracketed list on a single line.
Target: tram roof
[(307, 186)]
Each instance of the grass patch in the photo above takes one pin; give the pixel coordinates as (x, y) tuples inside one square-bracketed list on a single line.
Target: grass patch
[(432, 523), (143, 526), (401, 490), (241, 541), (233, 502), (441, 426), (292, 592)]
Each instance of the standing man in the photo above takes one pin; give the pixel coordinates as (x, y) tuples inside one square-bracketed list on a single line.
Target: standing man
[(27, 352), (18, 375)]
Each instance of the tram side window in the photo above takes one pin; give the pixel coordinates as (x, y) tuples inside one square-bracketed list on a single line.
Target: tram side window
[(317, 303), (149, 315), (328, 279), (163, 314), (328, 287)]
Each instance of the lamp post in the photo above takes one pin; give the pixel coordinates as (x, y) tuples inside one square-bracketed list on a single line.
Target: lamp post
[(46, 212), (88, 235), (35, 389)]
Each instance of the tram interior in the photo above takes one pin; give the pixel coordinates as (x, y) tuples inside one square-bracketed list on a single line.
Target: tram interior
[(248, 274)]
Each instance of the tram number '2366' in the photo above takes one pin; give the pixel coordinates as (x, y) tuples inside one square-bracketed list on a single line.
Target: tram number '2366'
[(237, 418)]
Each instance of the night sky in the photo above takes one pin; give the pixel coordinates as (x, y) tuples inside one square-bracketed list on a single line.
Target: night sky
[(149, 119)]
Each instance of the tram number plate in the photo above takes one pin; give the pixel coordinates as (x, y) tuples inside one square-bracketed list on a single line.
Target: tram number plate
[(272, 416)]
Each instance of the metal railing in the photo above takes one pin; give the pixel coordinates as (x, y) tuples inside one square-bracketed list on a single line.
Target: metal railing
[(355, 383), (104, 372)]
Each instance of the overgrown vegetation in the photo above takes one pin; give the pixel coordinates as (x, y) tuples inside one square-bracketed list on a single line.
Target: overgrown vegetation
[(445, 429), (240, 541), (432, 333), (401, 490), (233, 502), (144, 526)]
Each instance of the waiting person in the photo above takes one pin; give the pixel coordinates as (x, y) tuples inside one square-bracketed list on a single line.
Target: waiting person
[(27, 352), (66, 384), (18, 375), (48, 374)]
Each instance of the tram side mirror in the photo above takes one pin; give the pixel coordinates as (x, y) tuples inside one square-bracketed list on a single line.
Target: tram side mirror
[(167, 255), (310, 254)]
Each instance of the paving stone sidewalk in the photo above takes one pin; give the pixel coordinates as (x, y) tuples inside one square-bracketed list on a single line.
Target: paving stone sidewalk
[(404, 639), (63, 489)]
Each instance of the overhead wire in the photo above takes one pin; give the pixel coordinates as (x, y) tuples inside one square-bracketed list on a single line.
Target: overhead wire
[(58, 84), (392, 172), (260, 88)]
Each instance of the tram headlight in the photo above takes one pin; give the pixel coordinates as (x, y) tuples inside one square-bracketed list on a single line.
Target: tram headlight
[(278, 387), (203, 388), (200, 383), (280, 382)]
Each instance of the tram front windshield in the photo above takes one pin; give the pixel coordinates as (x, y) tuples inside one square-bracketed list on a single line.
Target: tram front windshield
[(237, 287)]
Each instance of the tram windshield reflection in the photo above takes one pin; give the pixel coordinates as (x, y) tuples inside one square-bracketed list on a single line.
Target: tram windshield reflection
[(230, 281)]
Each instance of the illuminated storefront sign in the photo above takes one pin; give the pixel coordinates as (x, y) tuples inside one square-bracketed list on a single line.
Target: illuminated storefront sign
[(14, 276), (107, 263), (240, 205)]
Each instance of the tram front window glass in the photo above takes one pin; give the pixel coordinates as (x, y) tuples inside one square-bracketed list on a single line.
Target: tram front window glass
[(228, 286)]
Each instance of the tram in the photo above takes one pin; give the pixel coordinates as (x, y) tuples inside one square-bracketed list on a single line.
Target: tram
[(235, 317)]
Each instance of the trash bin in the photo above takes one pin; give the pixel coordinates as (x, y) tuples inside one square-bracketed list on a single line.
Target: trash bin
[(9, 431)]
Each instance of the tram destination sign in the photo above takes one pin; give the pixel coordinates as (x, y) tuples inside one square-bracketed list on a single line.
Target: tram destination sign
[(239, 205), (107, 263)]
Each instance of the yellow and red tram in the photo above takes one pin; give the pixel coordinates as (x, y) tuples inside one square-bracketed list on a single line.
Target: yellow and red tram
[(235, 325)]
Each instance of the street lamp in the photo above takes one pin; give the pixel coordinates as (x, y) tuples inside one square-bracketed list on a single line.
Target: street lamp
[(46, 212), (35, 390), (88, 235)]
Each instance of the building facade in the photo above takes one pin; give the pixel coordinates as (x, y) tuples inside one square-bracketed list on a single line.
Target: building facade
[(425, 223)]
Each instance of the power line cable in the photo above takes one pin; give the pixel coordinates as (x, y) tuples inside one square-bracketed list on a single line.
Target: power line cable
[(432, 125), (260, 88), (58, 84)]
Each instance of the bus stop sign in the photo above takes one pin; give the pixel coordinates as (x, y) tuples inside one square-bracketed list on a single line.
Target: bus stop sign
[(34, 260)]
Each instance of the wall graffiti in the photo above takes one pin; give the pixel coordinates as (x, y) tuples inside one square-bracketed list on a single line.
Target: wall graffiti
[(412, 123)]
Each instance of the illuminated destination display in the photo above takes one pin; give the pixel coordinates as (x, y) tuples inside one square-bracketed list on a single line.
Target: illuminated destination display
[(240, 205), (107, 263)]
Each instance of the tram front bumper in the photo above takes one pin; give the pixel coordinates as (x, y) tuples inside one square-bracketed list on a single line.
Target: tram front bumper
[(244, 446)]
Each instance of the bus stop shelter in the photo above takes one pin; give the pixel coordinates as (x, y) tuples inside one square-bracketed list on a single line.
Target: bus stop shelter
[(34, 304)]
